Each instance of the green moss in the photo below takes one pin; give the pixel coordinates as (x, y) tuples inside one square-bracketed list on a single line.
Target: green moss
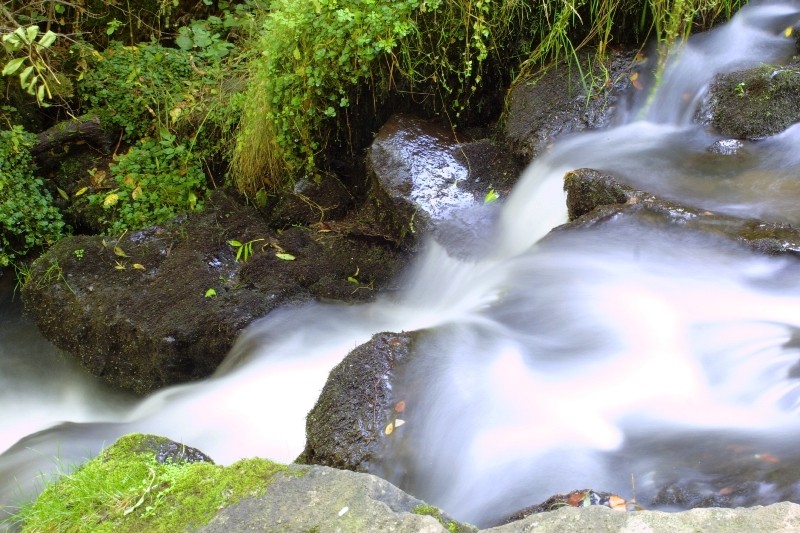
[(450, 525), (125, 489)]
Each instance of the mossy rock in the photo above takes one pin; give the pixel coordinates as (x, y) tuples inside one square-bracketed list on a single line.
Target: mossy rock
[(146, 483), (755, 103)]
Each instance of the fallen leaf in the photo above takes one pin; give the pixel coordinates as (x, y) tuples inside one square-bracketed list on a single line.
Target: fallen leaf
[(285, 256), (138, 266), (400, 406), (389, 428), (111, 200), (617, 503), (120, 252), (398, 423)]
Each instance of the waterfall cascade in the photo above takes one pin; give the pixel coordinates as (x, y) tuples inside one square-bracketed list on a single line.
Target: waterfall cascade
[(627, 349)]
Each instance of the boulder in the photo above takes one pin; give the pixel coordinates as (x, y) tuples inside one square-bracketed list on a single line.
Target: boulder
[(162, 306), (149, 483), (565, 99), (422, 176), (754, 103), (357, 410)]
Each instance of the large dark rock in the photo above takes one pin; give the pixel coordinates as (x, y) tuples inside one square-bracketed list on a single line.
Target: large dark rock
[(754, 103), (562, 99), (163, 305), (357, 409)]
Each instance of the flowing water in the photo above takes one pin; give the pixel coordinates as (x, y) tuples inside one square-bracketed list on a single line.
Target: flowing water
[(629, 350)]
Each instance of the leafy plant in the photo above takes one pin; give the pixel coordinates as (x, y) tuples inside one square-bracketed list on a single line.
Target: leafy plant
[(32, 66), (154, 182), (136, 88), (243, 249), (28, 219), (318, 56)]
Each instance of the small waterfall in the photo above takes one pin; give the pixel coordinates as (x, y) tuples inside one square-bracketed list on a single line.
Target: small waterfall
[(545, 366)]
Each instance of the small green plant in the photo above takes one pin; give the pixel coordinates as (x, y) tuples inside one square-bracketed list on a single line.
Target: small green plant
[(78, 253), (243, 249), (491, 196), (739, 89), (153, 182), (210, 293), (28, 219)]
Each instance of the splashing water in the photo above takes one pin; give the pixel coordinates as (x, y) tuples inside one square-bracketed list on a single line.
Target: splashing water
[(545, 367)]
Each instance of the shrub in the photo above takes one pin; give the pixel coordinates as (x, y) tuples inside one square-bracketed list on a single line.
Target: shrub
[(135, 87), (28, 219), (316, 57), (155, 181)]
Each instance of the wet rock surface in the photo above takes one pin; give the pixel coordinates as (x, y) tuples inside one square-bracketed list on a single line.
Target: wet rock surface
[(754, 103), (558, 101), (163, 305), (594, 198), (356, 409), (423, 175)]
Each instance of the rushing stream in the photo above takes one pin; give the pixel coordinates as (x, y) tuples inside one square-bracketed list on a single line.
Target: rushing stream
[(627, 350)]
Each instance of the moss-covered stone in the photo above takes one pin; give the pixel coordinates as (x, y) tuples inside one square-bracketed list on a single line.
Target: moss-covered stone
[(128, 489), (755, 103)]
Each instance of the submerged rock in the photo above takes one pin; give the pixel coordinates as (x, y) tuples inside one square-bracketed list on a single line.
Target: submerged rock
[(594, 198)]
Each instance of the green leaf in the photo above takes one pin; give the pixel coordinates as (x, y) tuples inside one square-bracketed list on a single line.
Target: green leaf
[(23, 76), (13, 66), (47, 39), (234, 243), (491, 196), (285, 256), (184, 39), (211, 293), (62, 193), (31, 32)]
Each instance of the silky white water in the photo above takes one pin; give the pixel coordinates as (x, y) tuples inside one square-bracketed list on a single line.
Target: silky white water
[(627, 349)]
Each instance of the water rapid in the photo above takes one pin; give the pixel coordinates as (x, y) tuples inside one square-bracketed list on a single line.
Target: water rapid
[(631, 349)]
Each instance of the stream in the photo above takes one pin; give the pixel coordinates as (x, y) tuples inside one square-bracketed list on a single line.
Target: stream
[(632, 357)]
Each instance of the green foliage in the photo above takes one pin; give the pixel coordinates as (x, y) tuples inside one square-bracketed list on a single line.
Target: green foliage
[(155, 181), (127, 490), (317, 56), (28, 60), (137, 88), (28, 219)]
